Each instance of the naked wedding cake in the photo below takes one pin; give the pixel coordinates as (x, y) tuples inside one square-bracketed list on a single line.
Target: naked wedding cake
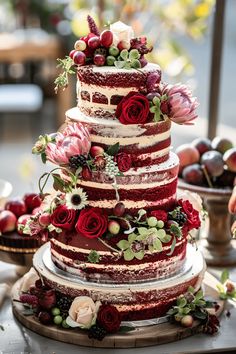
[(118, 234)]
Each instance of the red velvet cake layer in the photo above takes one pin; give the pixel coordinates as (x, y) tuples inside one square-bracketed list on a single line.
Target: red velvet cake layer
[(100, 89)]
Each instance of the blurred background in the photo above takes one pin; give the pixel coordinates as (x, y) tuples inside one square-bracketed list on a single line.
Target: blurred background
[(34, 33)]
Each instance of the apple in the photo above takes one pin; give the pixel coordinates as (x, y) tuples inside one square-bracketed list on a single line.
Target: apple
[(187, 321), (221, 144), (229, 158), (187, 155), (202, 145), (32, 201), (21, 223), (7, 221), (16, 206), (193, 174), (213, 162)]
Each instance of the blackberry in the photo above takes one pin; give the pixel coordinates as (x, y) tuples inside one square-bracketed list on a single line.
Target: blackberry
[(97, 332), (64, 303), (178, 216), (77, 161), (101, 50)]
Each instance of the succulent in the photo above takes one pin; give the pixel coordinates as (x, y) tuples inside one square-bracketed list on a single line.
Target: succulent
[(128, 59), (131, 248), (93, 256)]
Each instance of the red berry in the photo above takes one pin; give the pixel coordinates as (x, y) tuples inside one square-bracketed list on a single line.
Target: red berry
[(79, 58), (106, 38), (119, 209), (29, 299), (86, 174), (99, 60), (44, 317), (94, 42), (72, 53)]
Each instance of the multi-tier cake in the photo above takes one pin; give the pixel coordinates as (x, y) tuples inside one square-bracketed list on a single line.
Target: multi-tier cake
[(118, 233)]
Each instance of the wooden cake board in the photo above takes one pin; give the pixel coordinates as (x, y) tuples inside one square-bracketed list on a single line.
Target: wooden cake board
[(139, 337)]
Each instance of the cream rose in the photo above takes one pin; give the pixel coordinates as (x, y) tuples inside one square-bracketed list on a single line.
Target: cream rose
[(121, 32), (29, 279), (83, 312)]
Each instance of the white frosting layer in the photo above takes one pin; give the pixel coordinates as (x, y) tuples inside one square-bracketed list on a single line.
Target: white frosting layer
[(113, 70), (130, 204)]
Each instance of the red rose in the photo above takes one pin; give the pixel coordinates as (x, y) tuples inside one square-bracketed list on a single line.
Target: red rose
[(92, 223), (124, 161), (109, 318), (133, 109), (193, 220), (63, 217), (160, 215)]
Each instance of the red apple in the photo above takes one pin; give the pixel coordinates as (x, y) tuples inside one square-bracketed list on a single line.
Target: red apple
[(32, 201), (187, 154), (16, 206), (202, 145), (21, 223), (7, 221), (106, 38)]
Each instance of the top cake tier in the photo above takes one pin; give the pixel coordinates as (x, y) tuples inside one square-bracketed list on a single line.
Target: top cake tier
[(100, 89)]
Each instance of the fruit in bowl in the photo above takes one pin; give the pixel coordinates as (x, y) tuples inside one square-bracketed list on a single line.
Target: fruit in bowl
[(213, 165), (13, 218)]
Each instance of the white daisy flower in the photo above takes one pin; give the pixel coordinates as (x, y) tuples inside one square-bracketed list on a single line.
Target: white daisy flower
[(76, 199)]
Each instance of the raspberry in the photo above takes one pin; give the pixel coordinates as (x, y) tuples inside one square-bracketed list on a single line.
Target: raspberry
[(29, 299)]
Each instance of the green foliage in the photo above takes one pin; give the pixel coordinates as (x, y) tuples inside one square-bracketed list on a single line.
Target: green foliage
[(128, 60), (226, 288), (66, 65), (93, 257)]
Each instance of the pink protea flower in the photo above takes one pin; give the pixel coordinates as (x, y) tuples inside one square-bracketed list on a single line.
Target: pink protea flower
[(73, 140), (179, 104)]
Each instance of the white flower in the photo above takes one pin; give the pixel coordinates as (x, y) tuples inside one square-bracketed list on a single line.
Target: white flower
[(76, 199), (193, 198), (121, 32), (83, 312)]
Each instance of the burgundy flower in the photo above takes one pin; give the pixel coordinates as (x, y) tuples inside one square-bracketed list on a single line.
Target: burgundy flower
[(63, 217), (160, 215), (47, 298), (133, 109), (212, 325), (193, 220), (124, 161), (109, 318), (92, 223)]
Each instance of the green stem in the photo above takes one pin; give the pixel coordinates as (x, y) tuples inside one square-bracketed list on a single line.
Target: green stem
[(108, 246)]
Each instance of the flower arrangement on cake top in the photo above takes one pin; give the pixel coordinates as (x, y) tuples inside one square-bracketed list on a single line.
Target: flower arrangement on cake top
[(119, 48)]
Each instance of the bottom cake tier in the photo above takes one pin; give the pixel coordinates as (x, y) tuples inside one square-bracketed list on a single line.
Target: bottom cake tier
[(134, 301)]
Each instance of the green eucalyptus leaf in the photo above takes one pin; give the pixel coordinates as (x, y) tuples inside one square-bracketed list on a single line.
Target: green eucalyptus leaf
[(123, 244), (186, 310), (128, 255), (172, 247), (119, 64), (139, 255), (142, 231), (153, 109), (157, 245), (224, 276), (134, 54), (166, 239), (199, 295), (124, 54), (181, 301), (161, 234), (135, 63), (200, 302), (132, 237), (191, 289)]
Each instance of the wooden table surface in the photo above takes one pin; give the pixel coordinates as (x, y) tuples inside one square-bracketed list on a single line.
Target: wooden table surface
[(16, 339)]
